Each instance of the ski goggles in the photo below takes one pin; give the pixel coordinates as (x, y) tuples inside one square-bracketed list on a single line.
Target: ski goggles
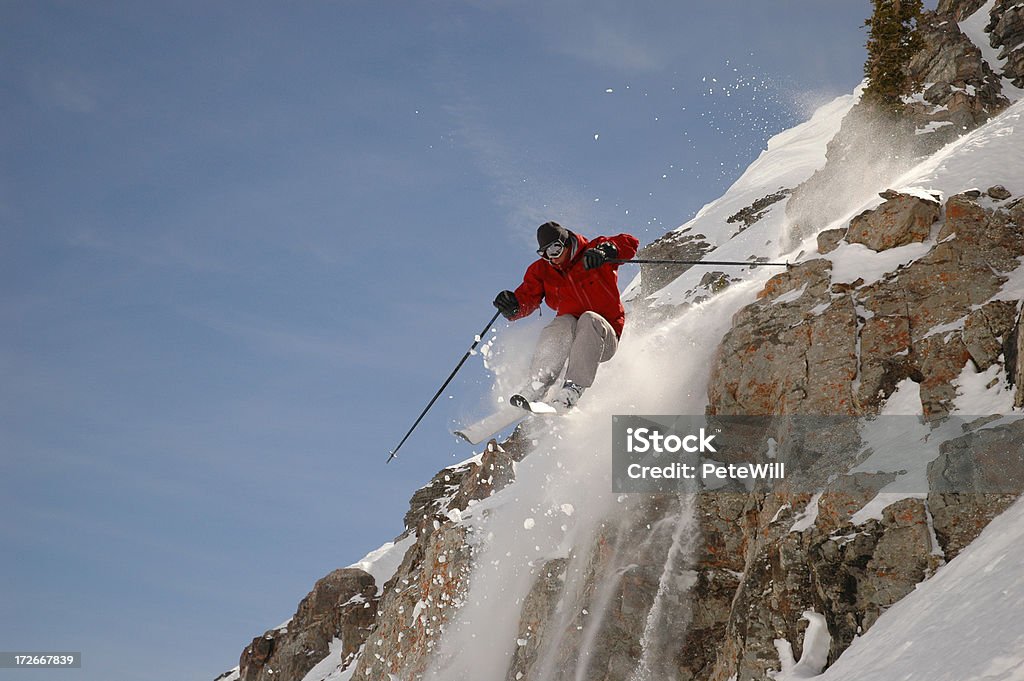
[(552, 250)]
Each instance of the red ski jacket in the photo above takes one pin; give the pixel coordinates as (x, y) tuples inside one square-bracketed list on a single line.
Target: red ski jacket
[(573, 289)]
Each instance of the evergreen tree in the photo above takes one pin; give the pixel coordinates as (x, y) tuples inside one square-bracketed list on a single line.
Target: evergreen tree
[(893, 39)]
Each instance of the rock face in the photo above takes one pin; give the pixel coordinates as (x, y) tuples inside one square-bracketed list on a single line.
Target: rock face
[(901, 220), (796, 350), (959, 90), (974, 462), (774, 361), (1006, 26), (849, 574), (810, 345), (416, 603), (342, 606), (959, 9)]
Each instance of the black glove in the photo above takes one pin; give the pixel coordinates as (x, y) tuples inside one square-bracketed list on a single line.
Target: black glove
[(507, 304), (599, 255)]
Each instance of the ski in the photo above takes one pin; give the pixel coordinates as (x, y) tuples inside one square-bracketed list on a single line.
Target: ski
[(516, 410), (486, 427), (532, 407)]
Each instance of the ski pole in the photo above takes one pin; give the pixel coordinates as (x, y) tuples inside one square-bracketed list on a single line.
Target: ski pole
[(740, 263), (440, 390)]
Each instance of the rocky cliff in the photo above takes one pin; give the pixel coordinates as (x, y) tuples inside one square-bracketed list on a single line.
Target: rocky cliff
[(520, 563)]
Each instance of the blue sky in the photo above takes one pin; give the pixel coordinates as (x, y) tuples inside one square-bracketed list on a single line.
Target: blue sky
[(241, 244)]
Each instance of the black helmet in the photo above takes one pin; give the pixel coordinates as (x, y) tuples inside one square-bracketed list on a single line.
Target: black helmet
[(550, 232)]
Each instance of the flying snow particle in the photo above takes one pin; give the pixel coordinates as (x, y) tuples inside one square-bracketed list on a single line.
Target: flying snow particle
[(609, 91), (568, 509), (528, 523), (596, 135)]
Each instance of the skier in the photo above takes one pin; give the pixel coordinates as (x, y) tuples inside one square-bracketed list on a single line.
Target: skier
[(577, 280)]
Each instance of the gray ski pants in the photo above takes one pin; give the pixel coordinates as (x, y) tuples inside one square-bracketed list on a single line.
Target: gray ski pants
[(584, 342)]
